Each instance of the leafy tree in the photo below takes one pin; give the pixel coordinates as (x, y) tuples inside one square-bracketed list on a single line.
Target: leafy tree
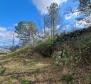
[(85, 8), (32, 31), (84, 3), (53, 18), (26, 32)]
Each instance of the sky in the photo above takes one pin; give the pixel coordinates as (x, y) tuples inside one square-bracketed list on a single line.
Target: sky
[(14, 11)]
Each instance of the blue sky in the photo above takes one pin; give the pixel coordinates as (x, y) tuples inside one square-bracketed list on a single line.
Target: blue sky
[(13, 11)]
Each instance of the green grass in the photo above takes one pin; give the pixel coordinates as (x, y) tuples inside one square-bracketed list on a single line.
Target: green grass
[(22, 51)]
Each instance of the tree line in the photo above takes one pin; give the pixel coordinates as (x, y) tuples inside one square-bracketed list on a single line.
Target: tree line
[(28, 32)]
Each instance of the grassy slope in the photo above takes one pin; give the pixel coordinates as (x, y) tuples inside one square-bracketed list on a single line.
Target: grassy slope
[(25, 65), (20, 68)]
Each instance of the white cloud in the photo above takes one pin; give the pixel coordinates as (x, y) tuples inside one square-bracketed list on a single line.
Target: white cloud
[(43, 4), (6, 36), (71, 15), (86, 22)]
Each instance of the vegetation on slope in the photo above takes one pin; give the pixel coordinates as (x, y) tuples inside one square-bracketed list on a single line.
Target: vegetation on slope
[(71, 52), (77, 44)]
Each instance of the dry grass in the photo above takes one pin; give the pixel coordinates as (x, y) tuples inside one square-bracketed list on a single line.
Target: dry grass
[(22, 66), (36, 70)]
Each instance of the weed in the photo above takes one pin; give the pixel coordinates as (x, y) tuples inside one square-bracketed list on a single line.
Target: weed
[(68, 78), (2, 70), (25, 82)]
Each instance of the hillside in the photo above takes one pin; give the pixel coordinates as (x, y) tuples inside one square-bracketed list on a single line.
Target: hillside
[(29, 66)]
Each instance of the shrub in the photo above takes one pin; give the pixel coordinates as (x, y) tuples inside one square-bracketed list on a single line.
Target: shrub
[(45, 48), (57, 56), (14, 48), (61, 57)]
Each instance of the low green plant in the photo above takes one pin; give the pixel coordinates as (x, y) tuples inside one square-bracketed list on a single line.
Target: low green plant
[(88, 78), (2, 70), (25, 82), (57, 57), (68, 78), (61, 57)]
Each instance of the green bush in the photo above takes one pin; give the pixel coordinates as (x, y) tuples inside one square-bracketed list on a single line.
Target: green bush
[(45, 48)]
